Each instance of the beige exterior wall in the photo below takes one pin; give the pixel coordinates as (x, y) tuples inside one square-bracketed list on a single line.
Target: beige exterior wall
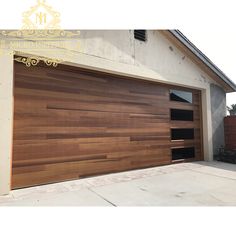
[(116, 52), (6, 121)]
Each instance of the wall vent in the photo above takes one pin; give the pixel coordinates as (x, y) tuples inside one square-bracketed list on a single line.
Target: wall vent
[(140, 35)]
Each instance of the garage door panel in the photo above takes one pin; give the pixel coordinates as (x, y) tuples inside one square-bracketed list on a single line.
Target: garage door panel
[(101, 138), (108, 93), (75, 170), (75, 112), (67, 149), (78, 105), (58, 159), (71, 122), (47, 87), (33, 132), (86, 121), (125, 155), (91, 96)]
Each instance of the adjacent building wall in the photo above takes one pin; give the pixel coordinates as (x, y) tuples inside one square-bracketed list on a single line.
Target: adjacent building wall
[(218, 112)]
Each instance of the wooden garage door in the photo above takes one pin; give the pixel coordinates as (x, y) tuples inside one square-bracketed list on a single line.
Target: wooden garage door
[(71, 123)]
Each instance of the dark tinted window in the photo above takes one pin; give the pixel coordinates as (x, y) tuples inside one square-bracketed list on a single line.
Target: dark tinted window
[(183, 153), (181, 96), (177, 114), (177, 134)]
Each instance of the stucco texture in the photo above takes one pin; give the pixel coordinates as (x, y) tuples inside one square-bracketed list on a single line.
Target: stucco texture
[(218, 110)]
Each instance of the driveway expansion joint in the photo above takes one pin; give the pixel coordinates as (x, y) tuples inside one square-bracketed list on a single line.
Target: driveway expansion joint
[(99, 195)]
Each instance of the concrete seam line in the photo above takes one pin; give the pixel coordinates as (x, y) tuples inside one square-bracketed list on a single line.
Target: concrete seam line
[(102, 197)]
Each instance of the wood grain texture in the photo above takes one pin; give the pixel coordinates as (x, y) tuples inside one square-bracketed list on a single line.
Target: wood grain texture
[(71, 123)]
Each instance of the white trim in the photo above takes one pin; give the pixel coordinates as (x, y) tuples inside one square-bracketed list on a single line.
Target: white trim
[(6, 122), (207, 125)]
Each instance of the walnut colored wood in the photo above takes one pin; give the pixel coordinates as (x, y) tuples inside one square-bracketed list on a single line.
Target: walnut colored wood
[(71, 123)]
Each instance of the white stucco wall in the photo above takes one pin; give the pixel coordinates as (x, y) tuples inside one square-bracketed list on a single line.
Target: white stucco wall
[(6, 121), (114, 51), (157, 55)]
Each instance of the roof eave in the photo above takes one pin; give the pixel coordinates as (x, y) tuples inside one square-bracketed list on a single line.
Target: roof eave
[(203, 58)]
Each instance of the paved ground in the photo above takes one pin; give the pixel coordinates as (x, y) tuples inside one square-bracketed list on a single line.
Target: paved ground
[(186, 184)]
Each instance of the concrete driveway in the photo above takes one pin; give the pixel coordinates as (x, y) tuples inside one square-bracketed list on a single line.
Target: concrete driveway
[(185, 184)]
